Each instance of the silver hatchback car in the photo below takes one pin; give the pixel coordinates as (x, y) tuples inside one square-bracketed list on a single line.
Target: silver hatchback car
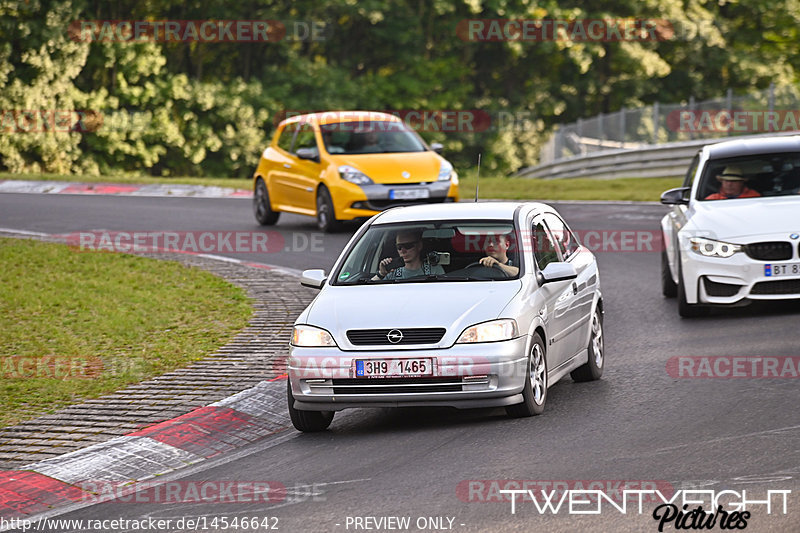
[(463, 305)]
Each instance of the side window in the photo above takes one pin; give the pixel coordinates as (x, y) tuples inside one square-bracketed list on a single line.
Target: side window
[(285, 140), (566, 240), (305, 138), (544, 247)]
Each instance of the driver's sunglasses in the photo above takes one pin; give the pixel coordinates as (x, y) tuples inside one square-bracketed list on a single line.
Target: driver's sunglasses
[(406, 245)]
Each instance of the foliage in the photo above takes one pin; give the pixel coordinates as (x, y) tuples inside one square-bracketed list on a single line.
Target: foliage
[(177, 108)]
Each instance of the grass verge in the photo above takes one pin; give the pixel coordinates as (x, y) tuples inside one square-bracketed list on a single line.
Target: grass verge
[(76, 325), (491, 187)]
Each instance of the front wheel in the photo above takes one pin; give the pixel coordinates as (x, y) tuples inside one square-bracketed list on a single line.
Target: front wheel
[(307, 421), (326, 216), (593, 368), (668, 287), (534, 392), (261, 208), (685, 309)]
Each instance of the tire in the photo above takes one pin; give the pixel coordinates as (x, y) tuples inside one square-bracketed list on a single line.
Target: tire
[(685, 309), (534, 392), (326, 216), (593, 368), (307, 421), (668, 287), (261, 208)]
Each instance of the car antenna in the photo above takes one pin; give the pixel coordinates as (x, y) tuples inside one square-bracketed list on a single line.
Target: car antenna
[(477, 179)]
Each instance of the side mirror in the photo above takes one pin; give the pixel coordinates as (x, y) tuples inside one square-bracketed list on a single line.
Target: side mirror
[(310, 154), (437, 147), (676, 196), (557, 272), (314, 278)]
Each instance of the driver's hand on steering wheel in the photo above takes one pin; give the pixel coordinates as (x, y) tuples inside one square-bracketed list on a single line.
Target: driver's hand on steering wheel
[(489, 261)]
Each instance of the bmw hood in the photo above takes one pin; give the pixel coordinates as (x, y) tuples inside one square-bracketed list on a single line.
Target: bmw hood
[(738, 219), (450, 305)]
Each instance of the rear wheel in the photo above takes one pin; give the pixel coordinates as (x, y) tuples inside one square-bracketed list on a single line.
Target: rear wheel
[(668, 287), (307, 421), (593, 368), (534, 392), (326, 216), (261, 208)]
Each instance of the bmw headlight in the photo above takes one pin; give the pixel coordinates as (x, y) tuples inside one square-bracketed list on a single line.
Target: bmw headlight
[(445, 171), (310, 336), (493, 331), (353, 175), (711, 248)]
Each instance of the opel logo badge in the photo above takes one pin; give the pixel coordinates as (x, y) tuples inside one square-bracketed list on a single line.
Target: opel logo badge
[(395, 336), (794, 236), (406, 174)]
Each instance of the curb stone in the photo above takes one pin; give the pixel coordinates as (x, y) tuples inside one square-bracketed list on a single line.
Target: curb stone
[(231, 398)]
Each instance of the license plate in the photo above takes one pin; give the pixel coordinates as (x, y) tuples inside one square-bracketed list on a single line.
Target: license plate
[(786, 269), (391, 368), (408, 194)]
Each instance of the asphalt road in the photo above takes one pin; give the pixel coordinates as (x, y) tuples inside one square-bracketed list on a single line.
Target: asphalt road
[(637, 424)]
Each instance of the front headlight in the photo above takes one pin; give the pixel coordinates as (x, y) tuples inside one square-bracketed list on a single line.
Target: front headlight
[(711, 248), (496, 330), (353, 175), (445, 171), (309, 336)]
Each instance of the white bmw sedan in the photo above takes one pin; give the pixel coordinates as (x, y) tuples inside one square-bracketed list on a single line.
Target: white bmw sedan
[(462, 305), (733, 231)]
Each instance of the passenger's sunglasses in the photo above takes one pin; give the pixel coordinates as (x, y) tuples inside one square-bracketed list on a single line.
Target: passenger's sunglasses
[(406, 245)]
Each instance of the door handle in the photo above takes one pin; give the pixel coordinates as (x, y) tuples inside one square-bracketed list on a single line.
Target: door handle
[(287, 165), (574, 288)]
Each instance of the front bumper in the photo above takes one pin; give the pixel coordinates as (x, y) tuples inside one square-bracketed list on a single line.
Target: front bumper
[(733, 280), (464, 376), (371, 199)]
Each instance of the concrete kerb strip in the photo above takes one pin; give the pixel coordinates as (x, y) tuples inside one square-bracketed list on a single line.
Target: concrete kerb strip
[(40, 488), (120, 189)]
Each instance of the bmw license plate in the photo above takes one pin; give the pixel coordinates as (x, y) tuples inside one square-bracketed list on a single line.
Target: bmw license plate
[(408, 194), (786, 269), (393, 368)]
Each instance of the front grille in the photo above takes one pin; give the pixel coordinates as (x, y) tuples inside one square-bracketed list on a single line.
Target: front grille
[(380, 205), (720, 289), (769, 251), (379, 337), (396, 385), (784, 286)]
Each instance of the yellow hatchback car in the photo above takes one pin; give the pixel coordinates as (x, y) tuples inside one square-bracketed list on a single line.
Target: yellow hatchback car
[(342, 165)]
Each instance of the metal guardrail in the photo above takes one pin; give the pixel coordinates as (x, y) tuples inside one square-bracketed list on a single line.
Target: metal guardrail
[(668, 160)]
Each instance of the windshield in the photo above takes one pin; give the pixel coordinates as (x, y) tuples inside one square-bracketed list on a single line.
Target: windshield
[(369, 137), (432, 251), (754, 176)]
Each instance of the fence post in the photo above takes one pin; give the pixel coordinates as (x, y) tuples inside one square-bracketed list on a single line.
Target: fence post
[(656, 124), (622, 126), (691, 108), (729, 106), (772, 97)]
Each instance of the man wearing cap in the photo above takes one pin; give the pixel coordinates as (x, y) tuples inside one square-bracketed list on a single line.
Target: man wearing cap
[(732, 185)]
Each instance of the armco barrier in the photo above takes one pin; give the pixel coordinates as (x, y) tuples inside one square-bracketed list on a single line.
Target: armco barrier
[(668, 160)]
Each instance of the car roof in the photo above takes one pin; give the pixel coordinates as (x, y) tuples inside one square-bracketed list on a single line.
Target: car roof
[(335, 117), (457, 211), (764, 145)]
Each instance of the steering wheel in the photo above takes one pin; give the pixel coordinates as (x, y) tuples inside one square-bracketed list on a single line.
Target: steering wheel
[(492, 269)]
